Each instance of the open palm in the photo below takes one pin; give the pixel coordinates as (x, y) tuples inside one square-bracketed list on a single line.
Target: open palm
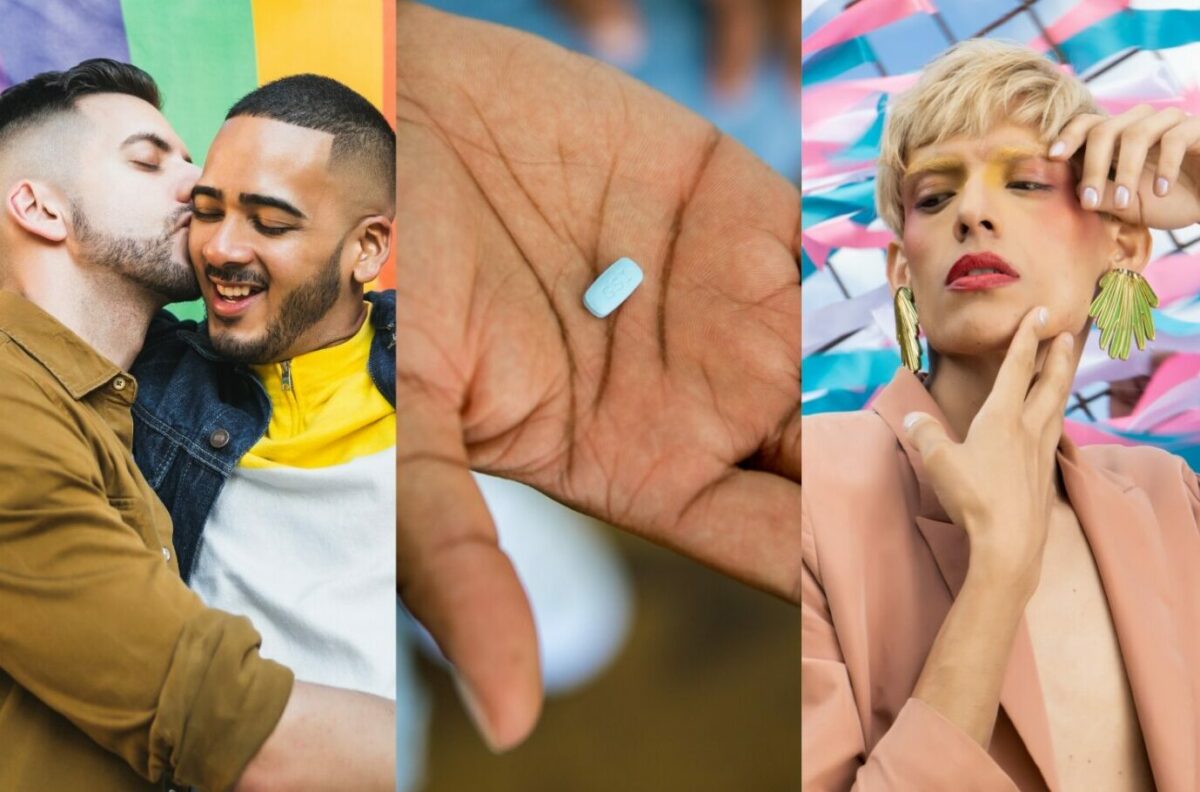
[(524, 171)]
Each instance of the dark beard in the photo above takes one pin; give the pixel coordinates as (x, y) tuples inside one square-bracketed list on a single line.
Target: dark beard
[(148, 262), (304, 307)]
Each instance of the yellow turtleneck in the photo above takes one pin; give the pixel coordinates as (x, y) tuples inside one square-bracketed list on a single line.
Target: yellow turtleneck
[(325, 410)]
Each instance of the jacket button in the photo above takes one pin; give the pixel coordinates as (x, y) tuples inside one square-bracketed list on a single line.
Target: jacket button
[(219, 438)]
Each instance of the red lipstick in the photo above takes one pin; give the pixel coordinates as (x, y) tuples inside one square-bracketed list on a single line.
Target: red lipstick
[(980, 271)]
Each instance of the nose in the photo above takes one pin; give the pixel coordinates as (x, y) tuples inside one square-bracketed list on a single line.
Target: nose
[(225, 246), (976, 212), (189, 174)]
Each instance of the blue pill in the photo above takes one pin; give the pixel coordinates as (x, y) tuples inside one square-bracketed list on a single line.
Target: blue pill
[(613, 287)]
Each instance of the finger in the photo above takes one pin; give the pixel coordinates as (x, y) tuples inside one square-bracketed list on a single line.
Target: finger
[(1048, 397), (452, 576), (930, 440), (1073, 135), (789, 17), (781, 452), (744, 524), (1173, 147), (737, 30), (1016, 372), (613, 28), (1136, 141), (1098, 154)]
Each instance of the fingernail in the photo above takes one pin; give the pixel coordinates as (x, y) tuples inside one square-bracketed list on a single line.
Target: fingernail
[(1121, 197), (911, 420), (475, 710), (1068, 340), (1042, 316), (1090, 198), (1161, 185), (1058, 148)]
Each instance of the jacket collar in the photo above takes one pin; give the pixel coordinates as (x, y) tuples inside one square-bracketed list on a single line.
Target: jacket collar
[(1119, 524), (71, 360), (382, 318)]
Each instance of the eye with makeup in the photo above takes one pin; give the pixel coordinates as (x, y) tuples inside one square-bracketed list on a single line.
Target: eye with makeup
[(1028, 186), (931, 203)]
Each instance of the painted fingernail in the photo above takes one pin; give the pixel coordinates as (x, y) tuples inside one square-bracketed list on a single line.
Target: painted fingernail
[(1090, 198), (1161, 185), (1058, 148), (1042, 316), (911, 420), (1121, 197)]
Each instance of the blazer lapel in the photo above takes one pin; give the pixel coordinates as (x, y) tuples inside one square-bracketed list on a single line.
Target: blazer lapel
[(1021, 694), (1119, 522)]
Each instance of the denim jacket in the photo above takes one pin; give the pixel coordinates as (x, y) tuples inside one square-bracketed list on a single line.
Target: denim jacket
[(196, 415)]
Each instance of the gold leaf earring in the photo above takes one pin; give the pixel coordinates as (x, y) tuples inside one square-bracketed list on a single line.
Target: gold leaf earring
[(907, 329), (1122, 312)]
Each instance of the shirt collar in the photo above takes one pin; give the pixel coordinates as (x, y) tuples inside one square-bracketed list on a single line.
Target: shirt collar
[(315, 373), (75, 364)]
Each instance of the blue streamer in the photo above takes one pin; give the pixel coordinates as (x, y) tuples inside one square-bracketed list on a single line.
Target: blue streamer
[(845, 370), (856, 199), (867, 146), (1148, 29), (827, 64), (836, 401)]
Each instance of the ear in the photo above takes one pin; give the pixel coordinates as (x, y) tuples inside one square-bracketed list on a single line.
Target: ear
[(1131, 245), (372, 245), (898, 273), (35, 207)]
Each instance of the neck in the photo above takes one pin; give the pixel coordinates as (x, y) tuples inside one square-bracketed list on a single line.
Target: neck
[(962, 385), (342, 322), (104, 309)]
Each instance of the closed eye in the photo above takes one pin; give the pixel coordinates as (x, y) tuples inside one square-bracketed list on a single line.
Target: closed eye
[(272, 230), (1028, 186)]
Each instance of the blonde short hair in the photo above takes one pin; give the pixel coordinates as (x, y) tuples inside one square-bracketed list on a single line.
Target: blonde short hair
[(966, 91)]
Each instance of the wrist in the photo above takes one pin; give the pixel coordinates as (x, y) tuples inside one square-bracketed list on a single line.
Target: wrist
[(1006, 571)]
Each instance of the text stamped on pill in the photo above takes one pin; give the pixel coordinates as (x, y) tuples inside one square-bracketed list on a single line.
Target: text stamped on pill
[(613, 287)]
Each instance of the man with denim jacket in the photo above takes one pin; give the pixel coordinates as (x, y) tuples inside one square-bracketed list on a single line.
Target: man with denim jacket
[(269, 430)]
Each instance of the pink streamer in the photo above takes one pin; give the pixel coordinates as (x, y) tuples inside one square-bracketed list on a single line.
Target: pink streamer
[(1083, 15), (1174, 277), (1090, 434), (862, 18), (1173, 371), (826, 100), (840, 232)]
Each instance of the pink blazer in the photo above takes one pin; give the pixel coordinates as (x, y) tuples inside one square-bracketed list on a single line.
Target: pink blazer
[(882, 564)]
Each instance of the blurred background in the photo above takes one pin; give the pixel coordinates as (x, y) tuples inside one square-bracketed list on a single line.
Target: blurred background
[(207, 55), (660, 674), (857, 56)]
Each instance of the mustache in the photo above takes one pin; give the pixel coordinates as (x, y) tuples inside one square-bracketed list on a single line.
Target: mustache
[(234, 275)]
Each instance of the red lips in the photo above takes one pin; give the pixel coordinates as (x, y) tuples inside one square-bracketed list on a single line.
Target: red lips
[(959, 278)]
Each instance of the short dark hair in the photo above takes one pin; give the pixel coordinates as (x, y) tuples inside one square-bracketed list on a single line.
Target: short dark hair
[(45, 95), (324, 104)]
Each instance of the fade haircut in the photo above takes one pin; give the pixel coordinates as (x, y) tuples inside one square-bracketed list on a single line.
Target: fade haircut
[(360, 132), (968, 90), (49, 95)]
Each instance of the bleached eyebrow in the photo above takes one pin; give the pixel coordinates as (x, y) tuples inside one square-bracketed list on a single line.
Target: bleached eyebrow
[(935, 166), (947, 165)]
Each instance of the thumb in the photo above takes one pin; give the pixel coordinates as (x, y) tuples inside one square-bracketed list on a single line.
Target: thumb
[(930, 440), (452, 575)]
